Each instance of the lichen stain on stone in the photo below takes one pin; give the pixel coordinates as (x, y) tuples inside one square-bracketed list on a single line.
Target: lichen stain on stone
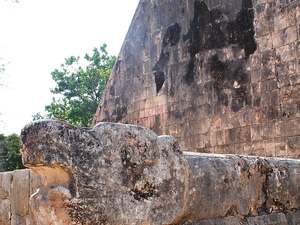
[(211, 30), (217, 70), (157, 124), (158, 70), (195, 36), (171, 37), (230, 75), (120, 109), (241, 30)]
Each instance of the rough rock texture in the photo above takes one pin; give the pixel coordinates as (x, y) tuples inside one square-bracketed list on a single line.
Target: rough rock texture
[(112, 174), (221, 76), (126, 174)]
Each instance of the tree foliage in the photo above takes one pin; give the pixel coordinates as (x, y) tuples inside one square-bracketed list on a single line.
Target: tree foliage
[(10, 153), (79, 89)]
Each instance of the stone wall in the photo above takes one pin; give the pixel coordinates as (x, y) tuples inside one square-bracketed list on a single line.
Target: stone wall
[(220, 76), (15, 189)]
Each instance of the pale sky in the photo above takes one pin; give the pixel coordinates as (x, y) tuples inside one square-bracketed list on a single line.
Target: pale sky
[(36, 36)]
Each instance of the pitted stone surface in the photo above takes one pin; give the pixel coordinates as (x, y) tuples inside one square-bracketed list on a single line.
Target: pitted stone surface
[(111, 174), (126, 174)]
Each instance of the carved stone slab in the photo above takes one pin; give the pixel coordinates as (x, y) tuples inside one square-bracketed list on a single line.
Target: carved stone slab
[(112, 174), (126, 174)]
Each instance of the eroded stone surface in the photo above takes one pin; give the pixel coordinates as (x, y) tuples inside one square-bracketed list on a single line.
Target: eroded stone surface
[(126, 174), (115, 174)]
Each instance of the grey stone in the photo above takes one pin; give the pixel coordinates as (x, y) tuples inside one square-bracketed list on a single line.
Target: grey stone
[(5, 178)]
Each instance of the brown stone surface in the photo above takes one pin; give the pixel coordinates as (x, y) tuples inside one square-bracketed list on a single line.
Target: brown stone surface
[(213, 74), (126, 174)]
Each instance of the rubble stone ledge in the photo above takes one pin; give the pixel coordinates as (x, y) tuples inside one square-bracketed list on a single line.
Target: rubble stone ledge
[(126, 174)]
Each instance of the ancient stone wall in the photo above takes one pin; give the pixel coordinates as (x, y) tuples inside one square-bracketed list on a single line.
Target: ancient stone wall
[(222, 76), (15, 189)]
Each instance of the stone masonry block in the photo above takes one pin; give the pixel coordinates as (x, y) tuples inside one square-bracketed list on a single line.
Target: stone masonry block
[(4, 210), (293, 144), (285, 53), (256, 146), (278, 39), (268, 131), (256, 132), (280, 129), (5, 182), (291, 70), (291, 34), (280, 21), (291, 17), (296, 93), (280, 145), (270, 148), (36, 182), (20, 192), (293, 127), (265, 43), (264, 26)]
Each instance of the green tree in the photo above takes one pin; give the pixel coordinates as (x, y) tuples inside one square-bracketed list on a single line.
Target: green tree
[(10, 153), (79, 89)]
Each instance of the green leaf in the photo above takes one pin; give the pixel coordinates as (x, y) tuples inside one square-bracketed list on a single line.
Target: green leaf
[(79, 88)]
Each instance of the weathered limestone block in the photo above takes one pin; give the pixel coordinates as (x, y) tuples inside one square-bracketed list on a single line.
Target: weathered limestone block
[(5, 193), (126, 174), (5, 180), (5, 210), (20, 192)]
